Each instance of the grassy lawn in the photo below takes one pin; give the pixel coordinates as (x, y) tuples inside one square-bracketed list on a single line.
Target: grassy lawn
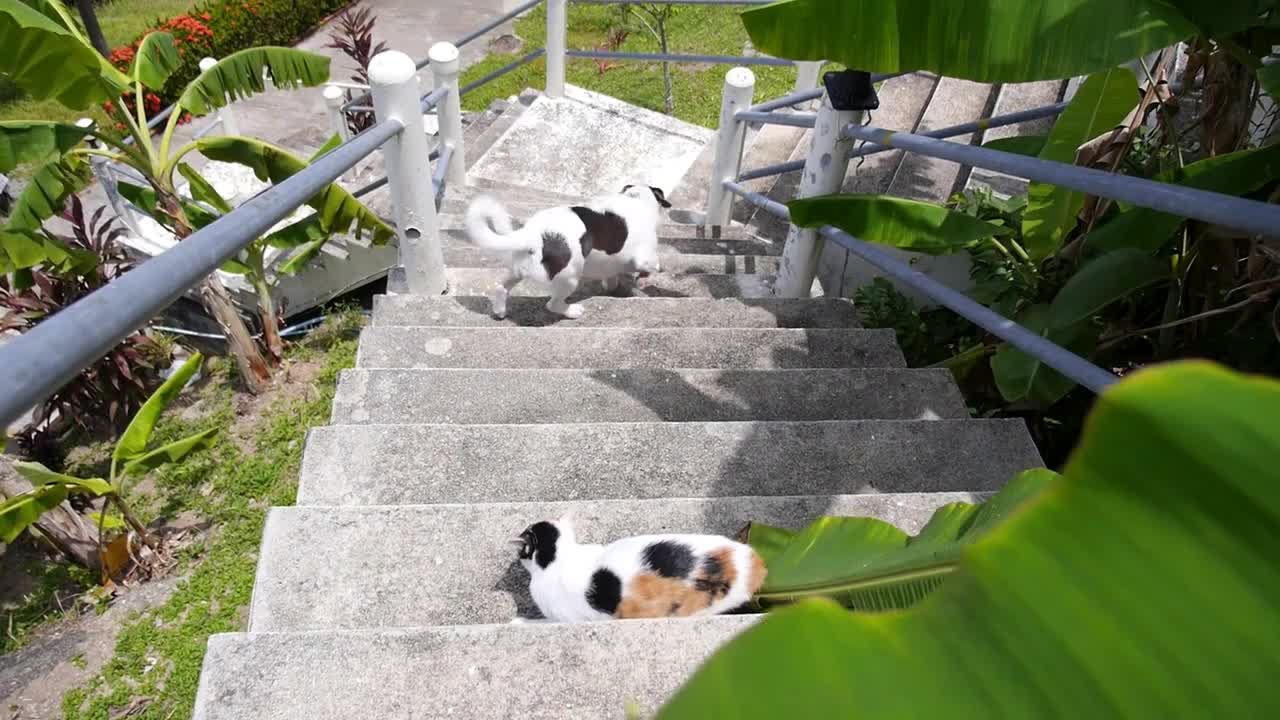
[(252, 466), (122, 21), (705, 30)]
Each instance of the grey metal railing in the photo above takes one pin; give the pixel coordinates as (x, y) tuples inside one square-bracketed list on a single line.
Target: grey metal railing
[(680, 58), (38, 362)]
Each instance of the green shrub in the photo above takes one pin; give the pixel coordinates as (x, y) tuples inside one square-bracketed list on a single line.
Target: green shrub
[(220, 27)]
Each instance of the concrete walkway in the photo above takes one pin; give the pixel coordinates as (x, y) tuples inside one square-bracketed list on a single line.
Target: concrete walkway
[(295, 119)]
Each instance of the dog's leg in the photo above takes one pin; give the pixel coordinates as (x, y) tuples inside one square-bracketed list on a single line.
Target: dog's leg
[(561, 288), (611, 284), (502, 292)]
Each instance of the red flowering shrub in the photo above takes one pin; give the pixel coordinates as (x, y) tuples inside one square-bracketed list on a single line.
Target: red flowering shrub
[(218, 28)]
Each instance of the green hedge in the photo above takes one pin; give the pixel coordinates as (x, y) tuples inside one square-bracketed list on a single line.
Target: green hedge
[(221, 27)]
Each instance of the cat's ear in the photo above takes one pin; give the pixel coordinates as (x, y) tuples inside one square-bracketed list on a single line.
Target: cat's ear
[(660, 196)]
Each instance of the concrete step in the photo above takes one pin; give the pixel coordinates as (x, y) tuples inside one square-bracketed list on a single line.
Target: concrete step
[(476, 187), (419, 565), (467, 397), (491, 125), (405, 464), (1014, 97), (482, 281), (416, 310), (674, 262), (565, 346), (457, 245), (582, 671)]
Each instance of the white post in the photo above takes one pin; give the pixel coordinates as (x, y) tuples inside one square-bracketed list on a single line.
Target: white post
[(334, 99), (739, 85), (807, 75), (824, 171), (394, 85), (444, 68), (225, 114), (557, 18)]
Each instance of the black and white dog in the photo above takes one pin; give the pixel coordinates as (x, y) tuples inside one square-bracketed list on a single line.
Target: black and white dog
[(606, 238)]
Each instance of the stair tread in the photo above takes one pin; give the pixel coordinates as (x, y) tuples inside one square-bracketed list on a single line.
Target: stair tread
[(423, 565), (403, 464), (565, 346), (480, 281), (537, 672), (540, 396), (618, 312)]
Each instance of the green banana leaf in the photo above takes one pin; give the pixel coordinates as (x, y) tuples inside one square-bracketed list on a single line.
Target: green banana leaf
[(240, 75), (22, 511), (172, 452), (22, 240), (982, 40), (1237, 173), (1029, 145), (156, 60), (25, 141), (1141, 585), (201, 189), (1102, 281), (1019, 376), (1101, 103), (338, 210), (907, 224), (132, 445), (868, 564), (38, 474), (46, 56)]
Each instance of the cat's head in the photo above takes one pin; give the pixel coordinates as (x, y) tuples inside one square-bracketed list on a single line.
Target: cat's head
[(647, 192), (541, 541)]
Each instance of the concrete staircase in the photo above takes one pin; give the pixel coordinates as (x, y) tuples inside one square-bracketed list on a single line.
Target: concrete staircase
[(696, 405)]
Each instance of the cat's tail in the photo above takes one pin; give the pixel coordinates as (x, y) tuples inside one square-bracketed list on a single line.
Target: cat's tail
[(489, 226)]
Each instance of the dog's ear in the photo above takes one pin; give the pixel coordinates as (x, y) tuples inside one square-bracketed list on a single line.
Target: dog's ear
[(624, 189), (660, 196)]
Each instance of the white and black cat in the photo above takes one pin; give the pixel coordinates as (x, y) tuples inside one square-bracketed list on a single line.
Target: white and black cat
[(604, 239), (648, 576)]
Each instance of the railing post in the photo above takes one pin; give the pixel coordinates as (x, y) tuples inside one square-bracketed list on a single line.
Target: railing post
[(444, 69), (226, 115), (739, 85), (557, 18), (394, 85), (807, 77), (824, 171), (334, 99)]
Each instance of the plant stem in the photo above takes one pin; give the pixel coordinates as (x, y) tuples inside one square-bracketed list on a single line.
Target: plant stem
[(1259, 297), (133, 520), (266, 308)]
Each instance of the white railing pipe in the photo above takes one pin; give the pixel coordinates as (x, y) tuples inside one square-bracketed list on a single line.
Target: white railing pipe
[(396, 96), (230, 124), (739, 87), (557, 19), (444, 70)]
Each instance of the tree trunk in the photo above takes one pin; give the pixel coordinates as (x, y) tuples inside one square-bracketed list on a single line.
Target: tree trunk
[(253, 367), (669, 98), (90, 20), (217, 302), (270, 324), (65, 529)]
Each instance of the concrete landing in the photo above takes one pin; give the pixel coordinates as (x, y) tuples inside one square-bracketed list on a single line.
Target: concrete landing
[(586, 144)]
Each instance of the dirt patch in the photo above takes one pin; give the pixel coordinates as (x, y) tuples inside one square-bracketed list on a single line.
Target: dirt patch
[(507, 44), (64, 656)]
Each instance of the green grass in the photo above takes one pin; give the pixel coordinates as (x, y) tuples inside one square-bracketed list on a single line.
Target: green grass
[(121, 21), (704, 30), (52, 598), (158, 654)]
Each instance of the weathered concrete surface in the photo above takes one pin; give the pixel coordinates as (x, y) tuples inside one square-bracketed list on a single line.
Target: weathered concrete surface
[(482, 281), (532, 672), (408, 464), (675, 261), (619, 312), (586, 143), (1014, 97), (469, 397), (414, 566), (569, 347), (458, 247)]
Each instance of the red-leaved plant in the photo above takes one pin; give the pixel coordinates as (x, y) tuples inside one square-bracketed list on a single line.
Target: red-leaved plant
[(353, 36)]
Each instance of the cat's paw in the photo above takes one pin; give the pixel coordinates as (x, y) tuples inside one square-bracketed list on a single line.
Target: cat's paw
[(574, 311)]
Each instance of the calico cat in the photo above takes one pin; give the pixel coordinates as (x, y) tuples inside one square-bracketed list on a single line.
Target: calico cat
[(604, 239), (647, 576)]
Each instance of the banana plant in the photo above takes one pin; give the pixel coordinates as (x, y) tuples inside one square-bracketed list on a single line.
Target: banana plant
[(55, 60), (131, 458)]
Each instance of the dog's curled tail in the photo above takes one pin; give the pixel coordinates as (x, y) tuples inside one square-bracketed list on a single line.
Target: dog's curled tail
[(489, 226)]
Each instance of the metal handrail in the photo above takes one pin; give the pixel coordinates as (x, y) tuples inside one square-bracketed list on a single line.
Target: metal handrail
[(804, 120), (676, 57), (358, 104), (1064, 361), (1250, 216), (48, 355), (509, 67), (442, 169)]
